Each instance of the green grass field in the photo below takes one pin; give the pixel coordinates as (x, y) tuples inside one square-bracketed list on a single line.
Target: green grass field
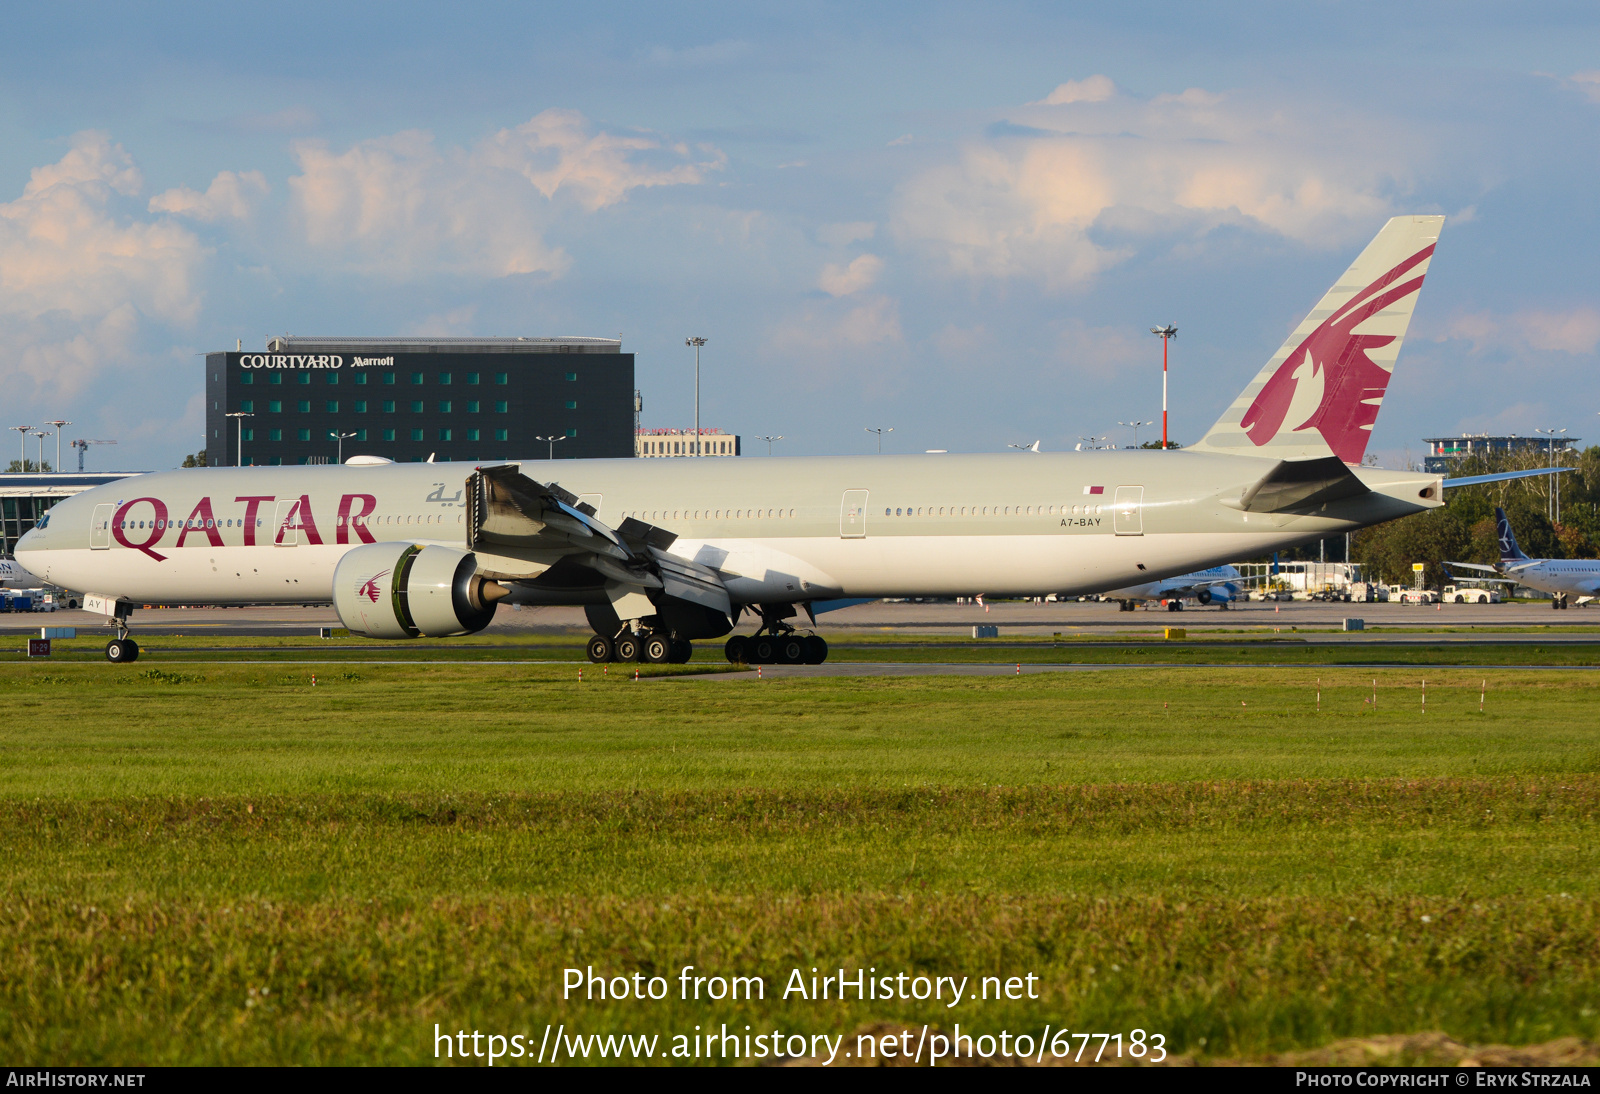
[(1261, 647), (218, 863)]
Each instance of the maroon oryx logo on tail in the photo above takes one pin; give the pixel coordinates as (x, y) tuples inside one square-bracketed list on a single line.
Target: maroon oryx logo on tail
[(370, 589), (1329, 382)]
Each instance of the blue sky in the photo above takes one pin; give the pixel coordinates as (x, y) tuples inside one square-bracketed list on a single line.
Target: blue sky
[(958, 221)]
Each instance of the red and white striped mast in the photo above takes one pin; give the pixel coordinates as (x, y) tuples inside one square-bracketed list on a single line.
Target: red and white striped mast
[(1166, 334)]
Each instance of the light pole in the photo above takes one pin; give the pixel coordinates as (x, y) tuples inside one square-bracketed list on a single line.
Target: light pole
[(551, 441), (1092, 442), (880, 433), (1166, 334), (341, 438), (1135, 427), (238, 456), (1553, 498), (41, 434), (696, 343), (58, 423), (23, 429), (769, 441)]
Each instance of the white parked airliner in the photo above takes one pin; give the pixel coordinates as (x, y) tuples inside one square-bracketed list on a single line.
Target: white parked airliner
[(1562, 578), (660, 552), (1219, 585)]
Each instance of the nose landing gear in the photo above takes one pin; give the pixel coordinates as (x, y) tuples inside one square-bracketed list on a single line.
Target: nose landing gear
[(120, 651)]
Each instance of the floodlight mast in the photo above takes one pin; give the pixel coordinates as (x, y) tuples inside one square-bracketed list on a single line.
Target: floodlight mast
[(23, 429), (341, 438), (238, 455), (696, 342), (1552, 500), (880, 433), (1166, 334), (58, 423)]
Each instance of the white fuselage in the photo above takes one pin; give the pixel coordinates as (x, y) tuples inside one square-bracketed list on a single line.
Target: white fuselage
[(774, 529), (1183, 586), (13, 576), (1575, 577)]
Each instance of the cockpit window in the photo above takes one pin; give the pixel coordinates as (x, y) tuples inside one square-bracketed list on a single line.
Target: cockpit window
[(44, 521)]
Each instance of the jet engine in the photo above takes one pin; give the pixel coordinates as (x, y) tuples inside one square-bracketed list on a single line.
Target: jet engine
[(1216, 594), (404, 590)]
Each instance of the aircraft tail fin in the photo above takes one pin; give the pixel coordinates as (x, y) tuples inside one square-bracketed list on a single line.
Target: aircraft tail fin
[(1509, 551), (1319, 394)]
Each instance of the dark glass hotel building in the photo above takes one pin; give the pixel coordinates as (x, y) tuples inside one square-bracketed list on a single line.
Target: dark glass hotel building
[(475, 399)]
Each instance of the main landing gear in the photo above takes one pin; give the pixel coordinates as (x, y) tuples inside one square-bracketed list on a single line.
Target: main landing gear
[(654, 649), (781, 649), (779, 645), (1559, 601)]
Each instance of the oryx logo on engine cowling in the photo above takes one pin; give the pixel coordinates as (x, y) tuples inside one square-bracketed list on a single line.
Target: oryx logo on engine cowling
[(370, 589), (1329, 382)]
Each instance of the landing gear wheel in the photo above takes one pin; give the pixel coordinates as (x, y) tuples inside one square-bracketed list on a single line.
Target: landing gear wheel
[(792, 651), (600, 650), (763, 651), (816, 650), (737, 650), (658, 649), (122, 650), (682, 651), (629, 648)]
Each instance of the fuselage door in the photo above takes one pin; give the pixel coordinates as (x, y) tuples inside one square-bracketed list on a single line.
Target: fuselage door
[(853, 515), (100, 527), (1127, 511), (288, 537)]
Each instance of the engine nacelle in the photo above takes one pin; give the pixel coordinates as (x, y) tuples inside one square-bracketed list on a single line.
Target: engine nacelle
[(403, 590), (1216, 594)]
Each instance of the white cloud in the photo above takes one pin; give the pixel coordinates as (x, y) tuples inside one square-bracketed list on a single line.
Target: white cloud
[(555, 150), (839, 280), (399, 206), (1026, 201), (231, 196), (824, 330), (455, 322), (1575, 331), (1586, 82), (78, 280), (1096, 89)]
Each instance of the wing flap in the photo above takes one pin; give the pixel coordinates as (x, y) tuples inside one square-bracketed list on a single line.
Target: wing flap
[(510, 514)]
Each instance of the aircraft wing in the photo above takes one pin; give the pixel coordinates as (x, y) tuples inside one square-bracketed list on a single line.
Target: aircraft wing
[(1471, 566), (522, 529)]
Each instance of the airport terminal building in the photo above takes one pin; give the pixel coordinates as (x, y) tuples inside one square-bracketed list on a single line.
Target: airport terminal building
[(409, 399)]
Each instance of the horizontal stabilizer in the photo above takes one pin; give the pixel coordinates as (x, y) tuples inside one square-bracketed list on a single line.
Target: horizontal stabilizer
[(1505, 476), (1299, 484)]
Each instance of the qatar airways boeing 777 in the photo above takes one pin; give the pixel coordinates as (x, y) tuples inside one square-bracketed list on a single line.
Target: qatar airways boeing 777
[(662, 552)]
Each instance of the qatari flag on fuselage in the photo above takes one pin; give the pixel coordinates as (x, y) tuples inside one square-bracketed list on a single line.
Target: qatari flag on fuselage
[(1094, 490)]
